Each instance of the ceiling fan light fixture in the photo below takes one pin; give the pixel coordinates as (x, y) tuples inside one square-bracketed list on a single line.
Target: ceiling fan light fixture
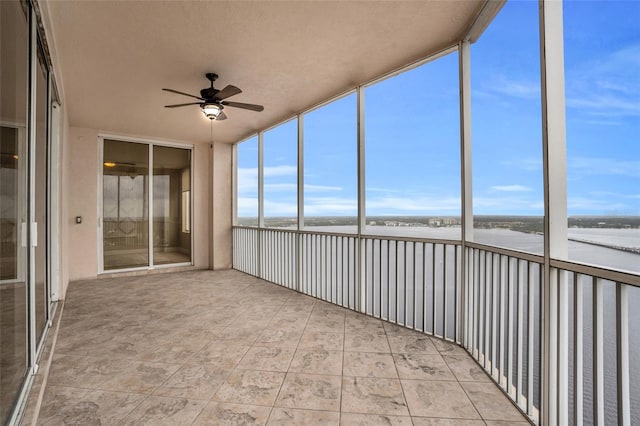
[(211, 110)]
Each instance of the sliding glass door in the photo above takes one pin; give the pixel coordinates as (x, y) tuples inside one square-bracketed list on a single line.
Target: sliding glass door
[(171, 202), (14, 319), (13, 267), (132, 192), (40, 203), (125, 231)]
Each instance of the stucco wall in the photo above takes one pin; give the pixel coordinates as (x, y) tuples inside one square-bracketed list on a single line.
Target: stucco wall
[(80, 191), (221, 253)]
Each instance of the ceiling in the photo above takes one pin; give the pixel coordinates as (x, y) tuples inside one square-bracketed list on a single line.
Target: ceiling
[(114, 57)]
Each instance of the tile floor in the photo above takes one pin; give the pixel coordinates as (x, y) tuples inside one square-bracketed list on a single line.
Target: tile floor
[(225, 348)]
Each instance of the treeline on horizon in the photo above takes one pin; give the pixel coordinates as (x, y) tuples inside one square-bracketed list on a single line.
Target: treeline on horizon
[(534, 224)]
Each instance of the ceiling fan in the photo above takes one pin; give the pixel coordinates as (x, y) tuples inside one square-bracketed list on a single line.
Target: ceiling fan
[(212, 100)]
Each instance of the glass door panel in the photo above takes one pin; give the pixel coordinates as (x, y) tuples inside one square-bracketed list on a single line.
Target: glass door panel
[(14, 62), (13, 267), (40, 202), (171, 202), (125, 205)]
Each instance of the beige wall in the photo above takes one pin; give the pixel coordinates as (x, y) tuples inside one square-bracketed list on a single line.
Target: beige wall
[(221, 254), (80, 198), (80, 191)]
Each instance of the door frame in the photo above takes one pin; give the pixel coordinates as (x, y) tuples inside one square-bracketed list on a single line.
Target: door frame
[(100, 173)]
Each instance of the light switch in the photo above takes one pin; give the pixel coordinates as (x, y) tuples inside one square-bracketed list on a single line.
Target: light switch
[(78, 219)]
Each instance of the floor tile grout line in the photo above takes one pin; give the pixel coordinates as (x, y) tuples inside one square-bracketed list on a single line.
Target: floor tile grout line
[(395, 366), (344, 343), (286, 374)]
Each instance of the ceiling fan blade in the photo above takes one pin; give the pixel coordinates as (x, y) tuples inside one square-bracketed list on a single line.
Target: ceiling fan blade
[(182, 93), (251, 107), (221, 116), (181, 105), (227, 92)]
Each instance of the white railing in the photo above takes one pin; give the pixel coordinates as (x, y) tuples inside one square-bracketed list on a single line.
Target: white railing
[(503, 302), (489, 300), (590, 311)]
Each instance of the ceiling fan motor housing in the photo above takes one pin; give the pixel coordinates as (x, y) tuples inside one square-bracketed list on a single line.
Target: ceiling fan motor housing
[(208, 93)]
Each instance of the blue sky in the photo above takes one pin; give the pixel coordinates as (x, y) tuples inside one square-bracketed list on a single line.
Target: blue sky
[(412, 128)]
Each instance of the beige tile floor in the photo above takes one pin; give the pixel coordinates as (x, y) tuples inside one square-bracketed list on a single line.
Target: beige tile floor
[(225, 348)]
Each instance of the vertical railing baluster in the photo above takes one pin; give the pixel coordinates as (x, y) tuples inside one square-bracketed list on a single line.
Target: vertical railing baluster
[(389, 276), (349, 267), (482, 320), (563, 347), (501, 335), (444, 291), (487, 314), (316, 263), (474, 303), (394, 275), (530, 340), (415, 287), (578, 370), (622, 353), (468, 317), (380, 278), (519, 343), (552, 342), (424, 287), (598, 352), (494, 312), (433, 290), (456, 305), (510, 325), (404, 283), (327, 265), (340, 268)]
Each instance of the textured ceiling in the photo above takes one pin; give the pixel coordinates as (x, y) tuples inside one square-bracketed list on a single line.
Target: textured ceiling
[(115, 56)]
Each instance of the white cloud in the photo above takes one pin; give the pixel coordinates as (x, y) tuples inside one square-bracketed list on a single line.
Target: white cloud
[(511, 188), (594, 205), (280, 187), (526, 164), (247, 207), (283, 170), (514, 204), (321, 188), (603, 166), (247, 180), (517, 89), (606, 86), (385, 190), (411, 205), (317, 206), (293, 187), (499, 87), (279, 208), (605, 105)]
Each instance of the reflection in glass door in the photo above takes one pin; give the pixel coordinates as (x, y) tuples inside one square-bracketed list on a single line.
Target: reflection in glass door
[(126, 183), (125, 230), (14, 69), (13, 266), (41, 195), (171, 199)]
